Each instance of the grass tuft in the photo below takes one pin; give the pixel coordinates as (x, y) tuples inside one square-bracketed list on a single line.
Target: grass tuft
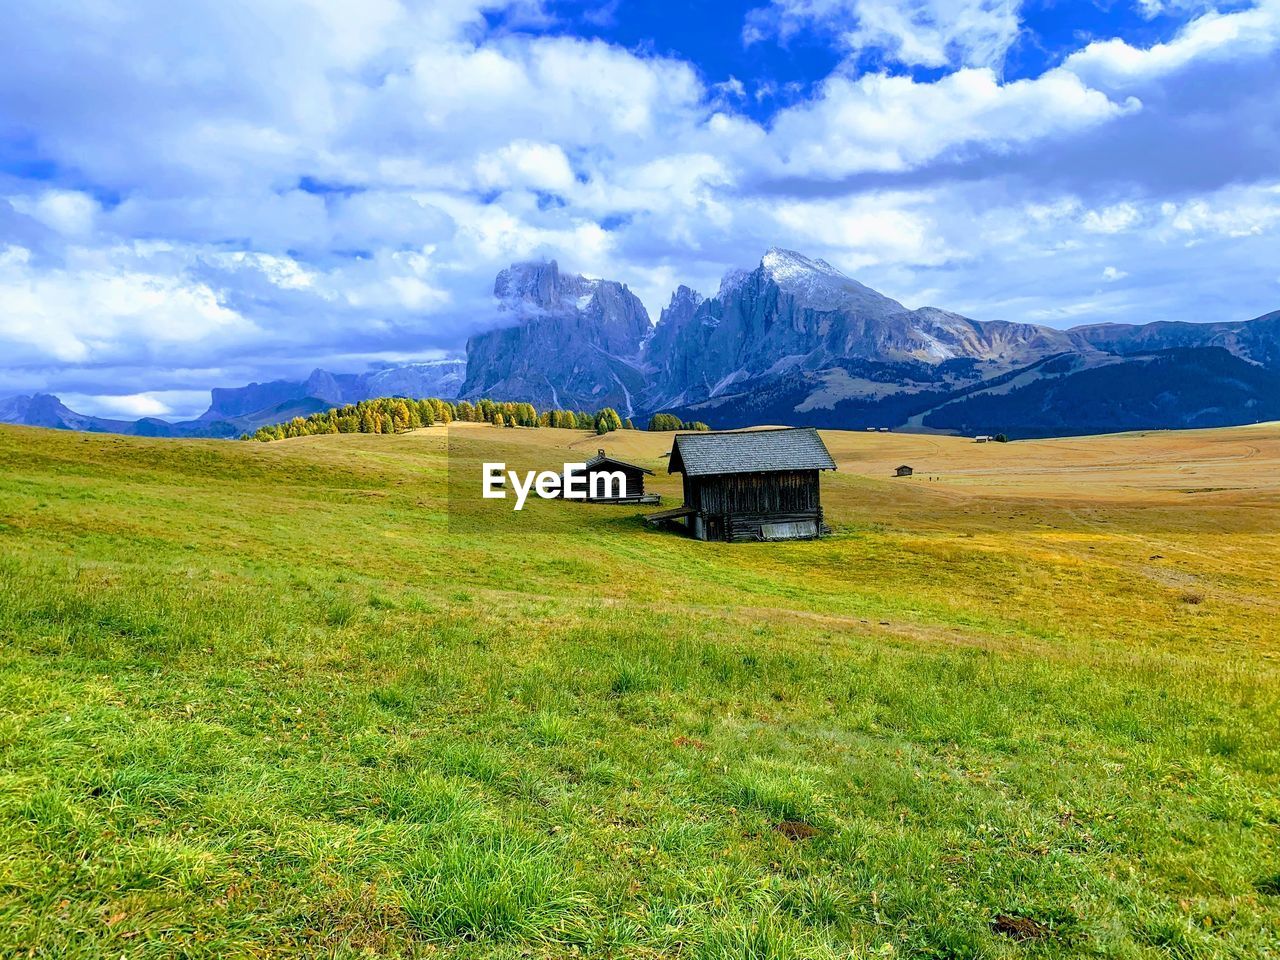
[(491, 888)]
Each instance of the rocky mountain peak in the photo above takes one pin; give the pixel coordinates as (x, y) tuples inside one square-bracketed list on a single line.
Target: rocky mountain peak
[(14, 409), (816, 284), (534, 283), (732, 281), (564, 340), (785, 265), (539, 285), (684, 300), (322, 385)]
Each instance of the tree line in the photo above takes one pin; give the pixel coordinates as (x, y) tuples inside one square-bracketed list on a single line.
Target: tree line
[(669, 421), (398, 414)]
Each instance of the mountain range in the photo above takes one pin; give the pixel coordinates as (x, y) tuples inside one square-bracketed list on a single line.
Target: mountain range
[(791, 341), (796, 341), (237, 410)]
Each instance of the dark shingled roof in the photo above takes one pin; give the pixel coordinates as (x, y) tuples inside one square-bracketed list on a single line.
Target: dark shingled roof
[(601, 458), (754, 451)]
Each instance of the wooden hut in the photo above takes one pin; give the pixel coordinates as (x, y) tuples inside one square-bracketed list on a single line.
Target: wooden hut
[(752, 485), (903, 471), (633, 474)]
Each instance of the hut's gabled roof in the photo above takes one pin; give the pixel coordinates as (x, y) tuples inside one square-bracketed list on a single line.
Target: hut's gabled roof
[(602, 459), (753, 451)]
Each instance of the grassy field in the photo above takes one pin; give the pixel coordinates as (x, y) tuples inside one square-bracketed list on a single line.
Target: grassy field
[(267, 700)]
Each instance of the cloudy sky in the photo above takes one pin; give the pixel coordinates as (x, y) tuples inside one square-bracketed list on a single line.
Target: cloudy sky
[(217, 191)]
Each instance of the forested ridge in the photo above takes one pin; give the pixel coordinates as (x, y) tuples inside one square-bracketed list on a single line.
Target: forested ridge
[(398, 414)]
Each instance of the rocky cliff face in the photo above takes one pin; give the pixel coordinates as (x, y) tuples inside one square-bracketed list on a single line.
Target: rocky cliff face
[(796, 341), (569, 342), (792, 314), (431, 378)]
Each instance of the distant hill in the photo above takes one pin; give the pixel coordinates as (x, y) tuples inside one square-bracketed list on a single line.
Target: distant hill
[(237, 410), (1183, 386)]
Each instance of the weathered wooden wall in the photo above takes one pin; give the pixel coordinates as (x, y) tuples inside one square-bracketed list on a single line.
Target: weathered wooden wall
[(736, 506), (635, 481), (793, 491)]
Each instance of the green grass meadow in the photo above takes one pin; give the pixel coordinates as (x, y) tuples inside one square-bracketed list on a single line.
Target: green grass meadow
[(262, 700)]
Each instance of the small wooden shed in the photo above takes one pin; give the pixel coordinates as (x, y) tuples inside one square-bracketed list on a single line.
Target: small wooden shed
[(633, 474), (750, 485), (903, 471)]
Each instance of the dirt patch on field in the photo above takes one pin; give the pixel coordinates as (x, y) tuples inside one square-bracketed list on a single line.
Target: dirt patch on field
[(1019, 928), (797, 830)]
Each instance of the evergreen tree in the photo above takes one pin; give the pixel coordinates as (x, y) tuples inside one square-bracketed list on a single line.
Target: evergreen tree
[(664, 421), (398, 412), (608, 419)]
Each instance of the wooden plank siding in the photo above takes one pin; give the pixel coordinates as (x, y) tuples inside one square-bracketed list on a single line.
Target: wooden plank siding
[(737, 506), (781, 492), (752, 484), (635, 483)]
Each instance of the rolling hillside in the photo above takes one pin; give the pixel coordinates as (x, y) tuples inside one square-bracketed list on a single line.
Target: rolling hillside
[(278, 699)]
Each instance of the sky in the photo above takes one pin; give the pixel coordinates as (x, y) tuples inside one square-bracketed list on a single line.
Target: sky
[(216, 192)]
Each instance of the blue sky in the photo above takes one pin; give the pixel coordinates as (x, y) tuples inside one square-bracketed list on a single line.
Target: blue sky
[(210, 193)]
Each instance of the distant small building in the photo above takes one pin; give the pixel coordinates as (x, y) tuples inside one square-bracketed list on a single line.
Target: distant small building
[(634, 476), (871, 429), (884, 429), (750, 485), (981, 439), (903, 471)]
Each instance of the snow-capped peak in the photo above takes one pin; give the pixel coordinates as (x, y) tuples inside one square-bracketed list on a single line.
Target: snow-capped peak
[(784, 265), (817, 284)]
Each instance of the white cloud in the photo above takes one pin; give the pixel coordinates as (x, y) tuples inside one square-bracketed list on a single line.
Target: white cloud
[(930, 33), (539, 166), (1235, 212), (881, 122), (1113, 219), (87, 308), (868, 230), (69, 212), (131, 406), (1112, 274), (1212, 36), (731, 89), (285, 272)]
